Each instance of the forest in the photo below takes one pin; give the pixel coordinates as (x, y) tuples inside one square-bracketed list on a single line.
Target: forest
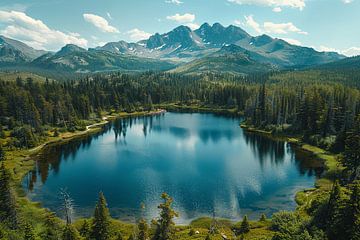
[(322, 114)]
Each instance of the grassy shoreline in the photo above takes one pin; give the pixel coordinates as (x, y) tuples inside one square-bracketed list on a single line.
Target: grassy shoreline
[(330, 161), (22, 161)]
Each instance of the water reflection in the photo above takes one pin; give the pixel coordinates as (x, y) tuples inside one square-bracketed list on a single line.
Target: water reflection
[(206, 162)]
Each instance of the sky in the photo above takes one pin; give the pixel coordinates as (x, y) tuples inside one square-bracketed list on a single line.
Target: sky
[(326, 25)]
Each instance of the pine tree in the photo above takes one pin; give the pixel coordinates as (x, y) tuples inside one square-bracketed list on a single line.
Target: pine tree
[(70, 233), (2, 153), (101, 223), (8, 213), (85, 229), (52, 231), (351, 158), (29, 232), (245, 226), (165, 224), (143, 226), (335, 208), (143, 230), (263, 218), (352, 213)]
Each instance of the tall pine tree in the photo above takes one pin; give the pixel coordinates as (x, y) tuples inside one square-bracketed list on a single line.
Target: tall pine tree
[(165, 224), (8, 213), (101, 223)]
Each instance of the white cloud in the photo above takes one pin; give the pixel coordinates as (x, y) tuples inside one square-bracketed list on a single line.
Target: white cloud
[(277, 9), (185, 18), (300, 4), (282, 28), (272, 28), (100, 23), (109, 15), (326, 49), (137, 34), (237, 22), (253, 24), (35, 33), (176, 2), (350, 52), (193, 26), (292, 41), (347, 1)]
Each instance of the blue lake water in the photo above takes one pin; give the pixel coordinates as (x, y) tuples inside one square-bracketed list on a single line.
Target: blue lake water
[(207, 163)]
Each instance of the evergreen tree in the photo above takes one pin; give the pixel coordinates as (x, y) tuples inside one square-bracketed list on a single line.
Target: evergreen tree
[(70, 233), (351, 158), (245, 226), (143, 230), (352, 214), (165, 224), (2, 153), (52, 231), (101, 223), (143, 226), (263, 218), (8, 213), (29, 232), (335, 209), (85, 229)]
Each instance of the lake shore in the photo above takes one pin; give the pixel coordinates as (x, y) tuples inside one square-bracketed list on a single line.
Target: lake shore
[(303, 198), (330, 161)]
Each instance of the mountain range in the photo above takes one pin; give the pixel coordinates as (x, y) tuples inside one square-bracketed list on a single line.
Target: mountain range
[(208, 49)]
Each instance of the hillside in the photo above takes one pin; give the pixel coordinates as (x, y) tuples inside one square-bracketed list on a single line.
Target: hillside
[(230, 59)]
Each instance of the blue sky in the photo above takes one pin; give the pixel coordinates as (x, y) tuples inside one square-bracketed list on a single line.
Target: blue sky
[(327, 25)]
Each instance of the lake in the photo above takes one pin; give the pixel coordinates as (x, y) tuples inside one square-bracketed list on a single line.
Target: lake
[(207, 163)]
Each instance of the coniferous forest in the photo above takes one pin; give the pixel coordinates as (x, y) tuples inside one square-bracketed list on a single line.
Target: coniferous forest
[(179, 120), (320, 115)]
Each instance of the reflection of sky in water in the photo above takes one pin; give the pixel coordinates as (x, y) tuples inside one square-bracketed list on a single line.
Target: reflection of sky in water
[(205, 162)]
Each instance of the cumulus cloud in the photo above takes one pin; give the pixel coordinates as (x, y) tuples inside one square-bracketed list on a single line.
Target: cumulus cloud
[(282, 28), (349, 52), (272, 28), (185, 18), (249, 20), (292, 41), (300, 4), (277, 9), (137, 34), (99, 22), (176, 2), (35, 33), (193, 26)]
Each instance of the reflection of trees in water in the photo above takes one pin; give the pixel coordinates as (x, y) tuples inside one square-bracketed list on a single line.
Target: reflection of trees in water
[(307, 164), (50, 158), (266, 148), (120, 126), (153, 123)]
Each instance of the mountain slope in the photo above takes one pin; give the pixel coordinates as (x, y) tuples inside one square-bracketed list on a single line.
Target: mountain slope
[(229, 59), (75, 59), (12, 51), (184, 45), (351, 63)]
